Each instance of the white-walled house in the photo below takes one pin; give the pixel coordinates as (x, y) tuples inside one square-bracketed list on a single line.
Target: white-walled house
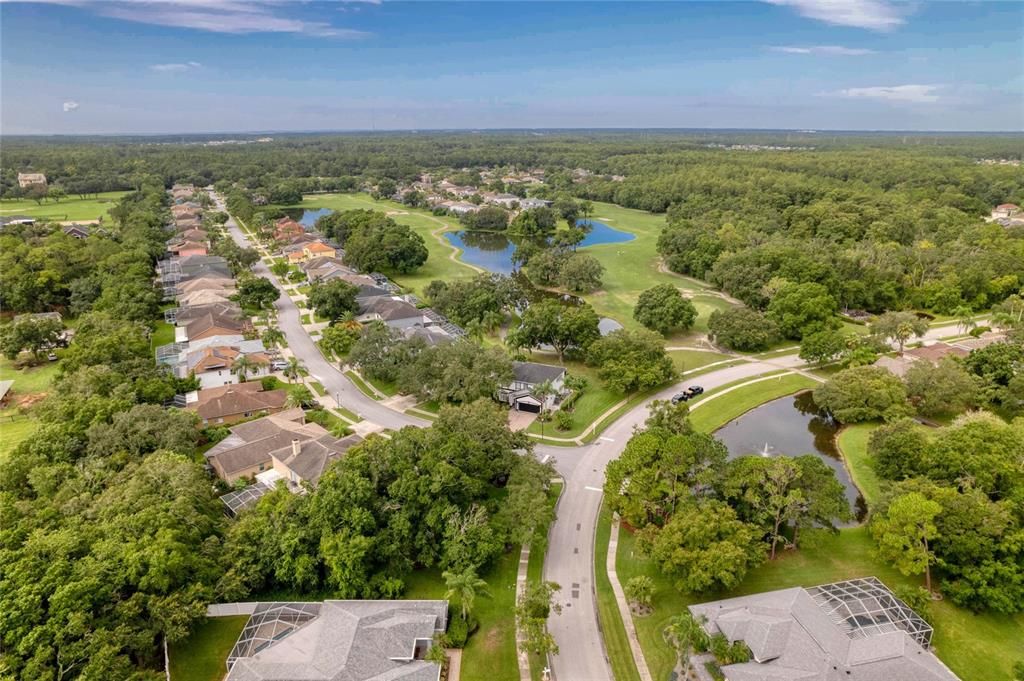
[(526, 377)]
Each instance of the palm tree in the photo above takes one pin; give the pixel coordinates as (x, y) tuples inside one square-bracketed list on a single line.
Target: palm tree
[(293, 370), (298, 396), (272, 336), (687, 635), (964, 318), (436, 654), (348, 321), (464, 586), (243, 366), (475, 330), (492, 319)]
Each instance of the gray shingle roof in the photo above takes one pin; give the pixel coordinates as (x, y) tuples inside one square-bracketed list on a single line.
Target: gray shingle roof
[(533, 373), (337, 641), (855, 629)]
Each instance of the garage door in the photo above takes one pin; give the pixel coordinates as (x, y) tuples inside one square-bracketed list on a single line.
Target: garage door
[(523, 405)]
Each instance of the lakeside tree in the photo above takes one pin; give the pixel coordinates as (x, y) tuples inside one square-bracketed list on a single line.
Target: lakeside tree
[(703, 547), (943, 389), (802, 309), (333, 299), (742, 328), (580, 273), (375, 242), (659, 470), (898, 449), (629, 361), (534, 222), (863, 393), (479, 298), (490, 218), (560, 326), (663, 308)]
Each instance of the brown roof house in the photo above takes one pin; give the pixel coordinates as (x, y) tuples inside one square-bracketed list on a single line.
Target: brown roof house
[(26, 180), (297, 451), (286, 228), (211, 325), (233, 402), (215, 366), (933, 353)]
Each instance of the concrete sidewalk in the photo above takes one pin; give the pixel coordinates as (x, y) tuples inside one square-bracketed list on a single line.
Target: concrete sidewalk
[(620, 600)]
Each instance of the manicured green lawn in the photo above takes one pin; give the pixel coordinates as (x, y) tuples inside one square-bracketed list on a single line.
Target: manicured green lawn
[(71, 208), (358, 382), (976, 647), (728, 406), (490, 653), (853, 443), (616, 642), (162, 334), (318, 388), (688, 360), (30, 380), (534, 574), (202, 655), (14, 428), (595, 400)]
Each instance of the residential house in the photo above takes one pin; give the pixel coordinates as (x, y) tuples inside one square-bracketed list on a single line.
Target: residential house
[(856, 629), (286, 228), (319, 249), (235, 401), (204, 297), (521, 395), (210, 325), (375, 640), (186, 210), (182, 224), (326, 269), (186, 248), (431, 335), (529, 204), (208, 282), (17, 220), (505, 200), (26, 180), (460, 208), (395, 312), (39, 316), (214, 366), (899, 365), (1005, 210), (5, 391), (195, 234), (297, 452), (183, 315), (77, 231)]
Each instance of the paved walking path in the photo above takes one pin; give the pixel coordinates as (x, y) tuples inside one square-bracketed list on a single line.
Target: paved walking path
[(521, 577), (620, 600)]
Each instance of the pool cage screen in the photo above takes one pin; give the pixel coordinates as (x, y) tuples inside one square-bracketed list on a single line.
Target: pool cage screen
[(269, 623), (865, 608)]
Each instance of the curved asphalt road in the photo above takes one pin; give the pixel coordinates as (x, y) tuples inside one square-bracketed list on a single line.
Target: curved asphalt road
[(570, 554)]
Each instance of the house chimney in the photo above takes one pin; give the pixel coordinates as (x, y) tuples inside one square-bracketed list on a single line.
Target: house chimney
[(295, 447)]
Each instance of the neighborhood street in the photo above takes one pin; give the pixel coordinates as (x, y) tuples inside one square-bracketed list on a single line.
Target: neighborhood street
[(570, 554)]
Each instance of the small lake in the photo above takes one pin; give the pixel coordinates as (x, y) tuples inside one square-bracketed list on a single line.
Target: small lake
[(791, 426), (493, 250), (309, 217)]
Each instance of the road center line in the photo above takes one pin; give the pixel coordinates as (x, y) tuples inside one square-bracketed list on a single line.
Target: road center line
[(593, 489)]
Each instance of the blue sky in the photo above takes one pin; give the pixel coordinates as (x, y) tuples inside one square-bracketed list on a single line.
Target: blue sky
[(147, 66)]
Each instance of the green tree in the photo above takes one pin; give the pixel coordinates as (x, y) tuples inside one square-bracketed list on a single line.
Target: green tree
[(461, 371), (339, 339), (863, 393), (273, 337), (533, 608), (822, 347), (903, 533), (294, 369), (560, 326), (299, 396), (34, 335), (639, 590), (898, 449), (802, 309), (899, 327), (580, 273), (257, 292), (703, 547), (629, 361), (942, 389), (687, 636), (280, 268), (333, 299), (663, 308), (464, 587), (243, 366), (384, 245), (742, 328)]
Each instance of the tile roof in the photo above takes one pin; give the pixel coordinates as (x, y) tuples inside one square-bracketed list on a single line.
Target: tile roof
[(936, 351), (533, 373), (313, 456), (233, 399), (251, 443)]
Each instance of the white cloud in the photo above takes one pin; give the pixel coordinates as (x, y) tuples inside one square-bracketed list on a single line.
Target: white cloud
[(70, 105), (175, 68), (829, 50), (917, 94), (876, 15), (215, 16)]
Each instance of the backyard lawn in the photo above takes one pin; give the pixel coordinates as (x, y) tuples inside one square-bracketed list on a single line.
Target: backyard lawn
[(15, 426), (853, 443), (976, 647), (201, 656), (71, 208)]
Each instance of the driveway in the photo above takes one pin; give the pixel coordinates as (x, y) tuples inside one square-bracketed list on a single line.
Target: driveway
[(520, 420)]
